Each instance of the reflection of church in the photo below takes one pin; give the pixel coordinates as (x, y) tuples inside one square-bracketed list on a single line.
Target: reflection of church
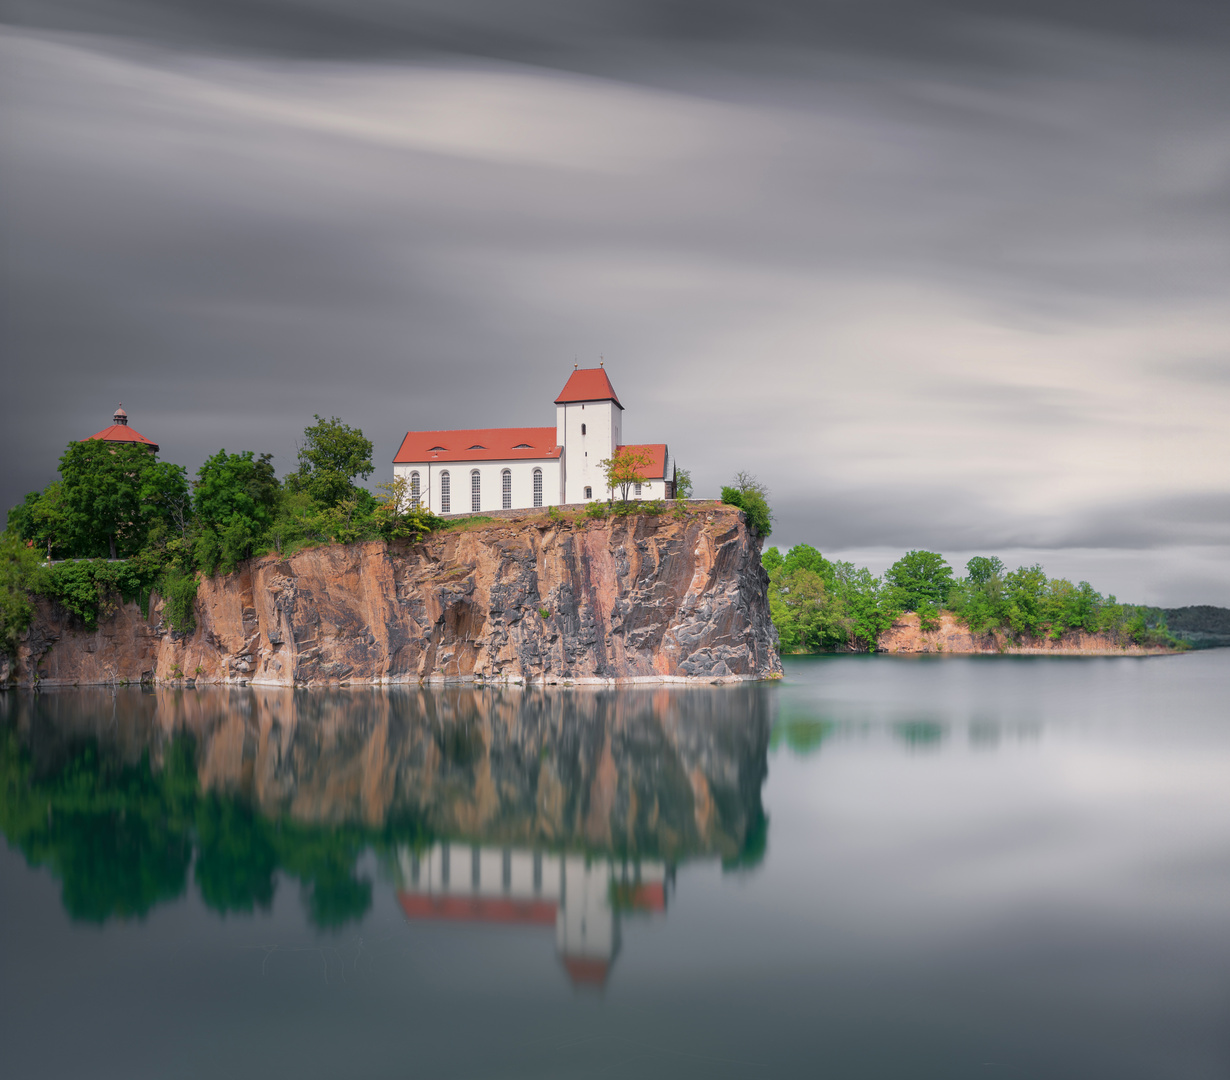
[(582, 898)]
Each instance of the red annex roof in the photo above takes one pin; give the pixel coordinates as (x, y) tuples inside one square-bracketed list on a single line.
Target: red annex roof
[(477, 909), (123, 433), (656, 470), (477, 444), (587, 384)]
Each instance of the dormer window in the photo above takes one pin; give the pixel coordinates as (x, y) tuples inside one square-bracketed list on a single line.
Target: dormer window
[(582, 429), (478, 446), (523, 446), (435, 448)]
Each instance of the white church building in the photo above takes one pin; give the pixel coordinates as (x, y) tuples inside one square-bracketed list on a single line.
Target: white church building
[(473, 470)]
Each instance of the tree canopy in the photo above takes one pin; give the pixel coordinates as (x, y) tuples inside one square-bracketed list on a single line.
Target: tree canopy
[(921, 579), (624, 468), (331, 456)]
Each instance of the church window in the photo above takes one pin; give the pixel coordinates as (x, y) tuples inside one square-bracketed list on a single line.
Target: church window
[(589, 493), (637, 490), (506, 489), (537, 487), (582, 429), (414, 489), (446, 491), (475, 492)]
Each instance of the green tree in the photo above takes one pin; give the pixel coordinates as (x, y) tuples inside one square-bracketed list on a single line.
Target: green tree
[(1025, 591), (21, 573), (982, 568), (111, 495), (624, 468), (40, 519), (920, 578), (331, 456), (752, 497), (683, 484), (236, 497), (872, 606)]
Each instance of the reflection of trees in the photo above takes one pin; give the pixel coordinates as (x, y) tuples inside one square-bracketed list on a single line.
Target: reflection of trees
[(121, 838), (120, 793)]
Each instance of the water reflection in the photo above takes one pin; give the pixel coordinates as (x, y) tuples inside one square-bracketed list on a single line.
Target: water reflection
[(564, 809)]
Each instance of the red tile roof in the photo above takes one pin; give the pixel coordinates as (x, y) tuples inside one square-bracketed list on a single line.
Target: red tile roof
[(478, 909), (477, 444), (656, 470), (123, 433), (587, 384)]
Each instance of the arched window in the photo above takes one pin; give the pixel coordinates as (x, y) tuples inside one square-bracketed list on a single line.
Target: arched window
[(582, 429), (476, 498), (537, 487), (636, 490), (589, 493), (506, 489), (446, 493), (414, 490)]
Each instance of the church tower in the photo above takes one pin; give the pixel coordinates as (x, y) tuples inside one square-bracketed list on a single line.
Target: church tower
[(589, 426)]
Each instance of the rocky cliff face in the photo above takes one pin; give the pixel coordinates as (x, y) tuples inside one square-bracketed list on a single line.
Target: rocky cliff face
[(640, 597), (907, 636)]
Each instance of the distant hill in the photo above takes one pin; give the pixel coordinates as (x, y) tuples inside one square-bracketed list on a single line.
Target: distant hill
[(1202, 626)]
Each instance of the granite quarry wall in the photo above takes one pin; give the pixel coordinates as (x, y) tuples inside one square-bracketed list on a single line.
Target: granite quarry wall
[(642, 597)]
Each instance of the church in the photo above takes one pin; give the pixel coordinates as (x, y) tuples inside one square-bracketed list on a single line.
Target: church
[(479, 470)]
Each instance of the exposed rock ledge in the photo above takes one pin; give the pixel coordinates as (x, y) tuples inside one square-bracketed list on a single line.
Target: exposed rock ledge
[(907, 636), (639, 598)]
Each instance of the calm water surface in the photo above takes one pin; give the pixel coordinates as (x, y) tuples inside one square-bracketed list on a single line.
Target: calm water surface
[(882, 867)]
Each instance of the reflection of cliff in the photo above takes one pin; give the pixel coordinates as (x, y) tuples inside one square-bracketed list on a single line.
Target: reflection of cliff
[(298, 782)]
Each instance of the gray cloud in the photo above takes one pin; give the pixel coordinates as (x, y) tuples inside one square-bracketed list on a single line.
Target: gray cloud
[(942, 274)]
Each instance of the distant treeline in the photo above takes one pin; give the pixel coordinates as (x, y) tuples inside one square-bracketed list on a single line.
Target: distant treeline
[(822, 605), (1201, 626)]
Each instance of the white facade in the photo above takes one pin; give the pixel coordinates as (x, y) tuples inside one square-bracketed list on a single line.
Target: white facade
[(524, 468), (522, 484)]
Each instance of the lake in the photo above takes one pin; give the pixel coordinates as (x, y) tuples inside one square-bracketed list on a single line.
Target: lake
[(879, 867)]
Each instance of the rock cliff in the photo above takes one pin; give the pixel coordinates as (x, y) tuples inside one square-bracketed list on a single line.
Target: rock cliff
[(633, 598)]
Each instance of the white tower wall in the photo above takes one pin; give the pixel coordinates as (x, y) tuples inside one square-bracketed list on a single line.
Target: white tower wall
[(588, 431)]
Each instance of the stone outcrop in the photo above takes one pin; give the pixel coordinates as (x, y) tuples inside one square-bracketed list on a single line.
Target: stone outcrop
[(907, 636), (633, 598)]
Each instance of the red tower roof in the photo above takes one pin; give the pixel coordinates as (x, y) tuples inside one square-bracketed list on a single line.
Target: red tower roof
[(587, 384), (121, 432)]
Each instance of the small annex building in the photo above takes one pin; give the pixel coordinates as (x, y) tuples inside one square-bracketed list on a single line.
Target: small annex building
[(476, 470), (120, 432)]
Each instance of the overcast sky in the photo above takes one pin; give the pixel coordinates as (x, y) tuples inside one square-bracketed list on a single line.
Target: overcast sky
[(942, 274)]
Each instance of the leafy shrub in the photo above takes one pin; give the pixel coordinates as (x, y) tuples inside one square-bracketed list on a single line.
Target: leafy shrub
[(597, 510), (752, 497), (21, 573), (179, 591)]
